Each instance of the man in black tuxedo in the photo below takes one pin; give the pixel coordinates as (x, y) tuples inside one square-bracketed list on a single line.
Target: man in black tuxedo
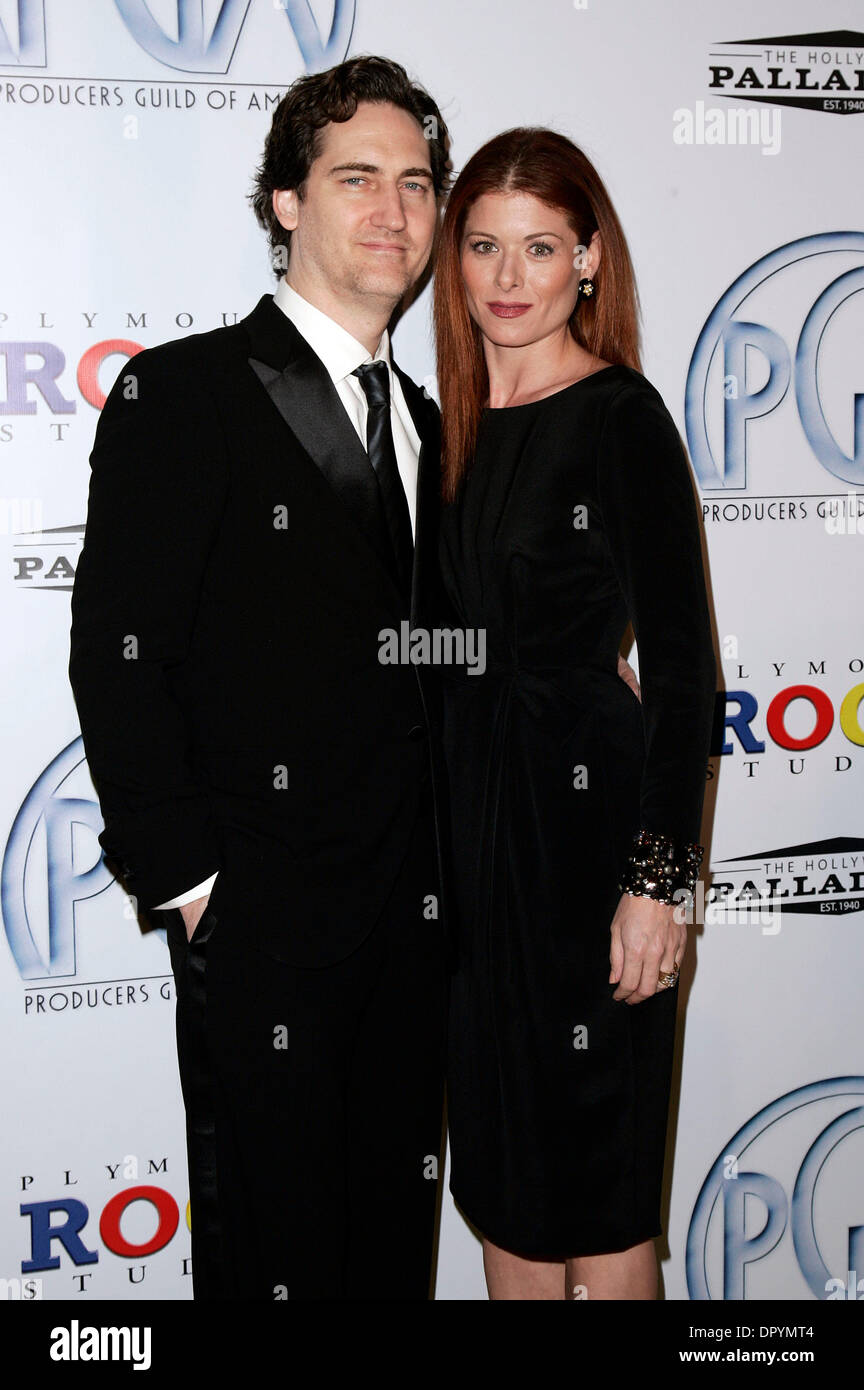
[(263, 504)]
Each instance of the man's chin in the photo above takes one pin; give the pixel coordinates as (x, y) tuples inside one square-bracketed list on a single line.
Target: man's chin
[(392, 285)]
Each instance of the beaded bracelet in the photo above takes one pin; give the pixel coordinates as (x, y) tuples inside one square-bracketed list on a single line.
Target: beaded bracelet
[(656, 869)]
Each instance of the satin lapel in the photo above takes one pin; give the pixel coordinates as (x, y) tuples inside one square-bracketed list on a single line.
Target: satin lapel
[(424, 413), (302, 391)]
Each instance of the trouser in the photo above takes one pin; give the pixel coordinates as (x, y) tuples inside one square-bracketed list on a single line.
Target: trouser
[(314, 1103)]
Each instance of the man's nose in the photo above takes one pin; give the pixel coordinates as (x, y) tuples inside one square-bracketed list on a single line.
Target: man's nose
[(388, 210)]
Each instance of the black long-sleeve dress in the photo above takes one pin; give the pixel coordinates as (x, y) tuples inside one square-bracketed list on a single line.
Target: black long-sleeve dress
[(577, 513)]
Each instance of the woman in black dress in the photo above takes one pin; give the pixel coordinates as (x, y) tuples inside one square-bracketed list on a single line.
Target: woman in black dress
[(575, 807)]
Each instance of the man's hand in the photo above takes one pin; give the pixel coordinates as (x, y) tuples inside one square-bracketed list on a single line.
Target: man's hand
[(627, 674), (192, 914)]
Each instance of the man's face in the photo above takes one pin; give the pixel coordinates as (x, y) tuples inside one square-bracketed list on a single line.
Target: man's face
[(365, 227)]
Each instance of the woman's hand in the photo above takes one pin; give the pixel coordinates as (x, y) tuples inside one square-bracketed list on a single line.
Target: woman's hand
[(646, 942)]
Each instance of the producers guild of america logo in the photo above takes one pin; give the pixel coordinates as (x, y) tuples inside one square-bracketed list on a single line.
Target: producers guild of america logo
[(72, 932), (817, 72), (777, 349), (194, 42), (781, 1202)]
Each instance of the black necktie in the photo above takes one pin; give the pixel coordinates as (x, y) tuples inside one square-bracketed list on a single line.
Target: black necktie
[(374, 379)]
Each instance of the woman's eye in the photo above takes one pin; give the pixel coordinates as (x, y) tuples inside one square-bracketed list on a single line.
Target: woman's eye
[(542, 249)]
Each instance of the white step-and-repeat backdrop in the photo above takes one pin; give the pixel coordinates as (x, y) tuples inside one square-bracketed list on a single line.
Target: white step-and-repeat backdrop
[(730, 135)]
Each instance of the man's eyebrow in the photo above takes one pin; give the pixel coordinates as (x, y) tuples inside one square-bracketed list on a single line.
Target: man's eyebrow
[(360, 168)]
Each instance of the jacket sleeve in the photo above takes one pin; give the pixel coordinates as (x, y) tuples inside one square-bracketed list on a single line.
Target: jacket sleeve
[(158, 488), (653, 532)]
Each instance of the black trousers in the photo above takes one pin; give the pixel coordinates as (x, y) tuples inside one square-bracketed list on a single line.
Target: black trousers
[(314, 1103)]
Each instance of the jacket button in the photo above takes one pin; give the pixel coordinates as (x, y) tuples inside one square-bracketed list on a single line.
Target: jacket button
[(417, 732)]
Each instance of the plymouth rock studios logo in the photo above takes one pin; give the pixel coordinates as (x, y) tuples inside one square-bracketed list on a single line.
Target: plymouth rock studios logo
[(71, 931), (784, 1196), (187, 44)]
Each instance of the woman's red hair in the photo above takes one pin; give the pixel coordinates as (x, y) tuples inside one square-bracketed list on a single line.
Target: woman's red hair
[(553, 169)]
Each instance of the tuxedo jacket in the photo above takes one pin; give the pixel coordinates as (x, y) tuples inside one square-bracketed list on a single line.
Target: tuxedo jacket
[(227, 618)]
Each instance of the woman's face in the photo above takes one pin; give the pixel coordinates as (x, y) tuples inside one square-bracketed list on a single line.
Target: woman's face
[(521, 265)]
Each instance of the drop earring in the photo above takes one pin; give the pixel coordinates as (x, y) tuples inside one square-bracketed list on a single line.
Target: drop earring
[(586, 288)]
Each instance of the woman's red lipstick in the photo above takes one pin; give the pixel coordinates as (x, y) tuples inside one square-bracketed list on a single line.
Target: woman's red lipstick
[(508, 310)]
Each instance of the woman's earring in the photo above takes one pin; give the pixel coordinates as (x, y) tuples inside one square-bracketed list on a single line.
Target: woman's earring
[(586, 288)]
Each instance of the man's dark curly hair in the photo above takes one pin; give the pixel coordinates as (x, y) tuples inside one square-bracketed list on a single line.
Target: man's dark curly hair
[(294, 139)]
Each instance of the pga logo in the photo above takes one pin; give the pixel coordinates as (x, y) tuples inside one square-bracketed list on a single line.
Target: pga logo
[(197, 47), (52, 868), (774, 375), (773, 1212)]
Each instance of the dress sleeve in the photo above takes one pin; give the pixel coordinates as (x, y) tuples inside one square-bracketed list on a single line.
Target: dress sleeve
[(652, 528)]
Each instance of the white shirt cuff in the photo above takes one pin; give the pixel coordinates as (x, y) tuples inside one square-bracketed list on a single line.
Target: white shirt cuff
[(201, 891)]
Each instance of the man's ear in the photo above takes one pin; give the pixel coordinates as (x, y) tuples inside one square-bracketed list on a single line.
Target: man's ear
[(285, 207)]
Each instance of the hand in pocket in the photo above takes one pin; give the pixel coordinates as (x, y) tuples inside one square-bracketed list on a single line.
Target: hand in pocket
[(192, 914)]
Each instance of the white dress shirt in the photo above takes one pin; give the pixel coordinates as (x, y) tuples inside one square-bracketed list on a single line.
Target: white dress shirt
[(340, 354)]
